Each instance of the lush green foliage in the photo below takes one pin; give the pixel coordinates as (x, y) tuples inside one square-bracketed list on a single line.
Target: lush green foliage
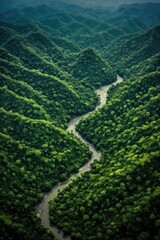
[(119, 198), (48, 79), (87, 27), (38, 95), (49, 68), (27, 172), (89, 67), (134, 55)]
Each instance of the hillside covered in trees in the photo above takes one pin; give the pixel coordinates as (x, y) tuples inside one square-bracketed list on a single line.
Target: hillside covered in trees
[(51, 61)]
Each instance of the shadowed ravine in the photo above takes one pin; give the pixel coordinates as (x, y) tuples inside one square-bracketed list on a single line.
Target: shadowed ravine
[(43, 208)]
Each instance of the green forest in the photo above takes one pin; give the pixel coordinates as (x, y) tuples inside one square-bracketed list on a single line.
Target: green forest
[(52, 60)]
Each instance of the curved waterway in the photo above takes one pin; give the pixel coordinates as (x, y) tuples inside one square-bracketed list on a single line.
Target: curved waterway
[(43, 208)]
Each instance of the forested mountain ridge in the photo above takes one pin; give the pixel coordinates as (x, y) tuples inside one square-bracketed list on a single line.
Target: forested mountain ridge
[(127, 54), (50, 63), (38, 98), (147, 13), (89, 67), (88, 27), (118, 199), (43, 66)]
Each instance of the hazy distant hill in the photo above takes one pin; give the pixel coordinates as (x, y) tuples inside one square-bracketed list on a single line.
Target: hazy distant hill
[(69, 3), (97, 28)]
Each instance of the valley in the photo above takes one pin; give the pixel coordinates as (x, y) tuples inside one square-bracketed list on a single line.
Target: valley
[(52, 61), (43, 208)]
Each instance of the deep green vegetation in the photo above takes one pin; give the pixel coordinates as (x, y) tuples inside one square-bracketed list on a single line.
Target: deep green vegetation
[(137, 54), (38, 97), (89, 67), (119, 198), (51, 61)]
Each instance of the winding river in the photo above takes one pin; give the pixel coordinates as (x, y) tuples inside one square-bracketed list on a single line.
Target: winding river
[(43, 208)]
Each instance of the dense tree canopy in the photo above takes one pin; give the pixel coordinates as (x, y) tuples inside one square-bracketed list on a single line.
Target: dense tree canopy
[(51, 61), (118, 199)]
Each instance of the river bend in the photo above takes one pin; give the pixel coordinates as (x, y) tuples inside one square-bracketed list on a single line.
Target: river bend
[(43, 208)]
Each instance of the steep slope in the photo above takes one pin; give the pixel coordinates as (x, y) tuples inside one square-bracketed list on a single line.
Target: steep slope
[(45, 67), (26, 51), (147, 13), (5, 34), (149, 65), (35, 155), (25, 106), (54, 89), (118, 199), (37, 97), (66, 44), (92, 69), (128, 52), (83, 25)]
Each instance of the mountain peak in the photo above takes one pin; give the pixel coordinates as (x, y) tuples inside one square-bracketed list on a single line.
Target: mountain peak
[(90, 66)]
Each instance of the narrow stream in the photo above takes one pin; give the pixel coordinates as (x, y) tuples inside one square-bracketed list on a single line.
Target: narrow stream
[(43, 208)]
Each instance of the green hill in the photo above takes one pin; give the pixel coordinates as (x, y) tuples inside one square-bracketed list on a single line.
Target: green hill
[(149, 65), (128, 52), (38, 98), (147, 13), (25, 106), (5, 34), (118, 199), (46, 71), (82, 25), (91, 68), (35, 155)]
